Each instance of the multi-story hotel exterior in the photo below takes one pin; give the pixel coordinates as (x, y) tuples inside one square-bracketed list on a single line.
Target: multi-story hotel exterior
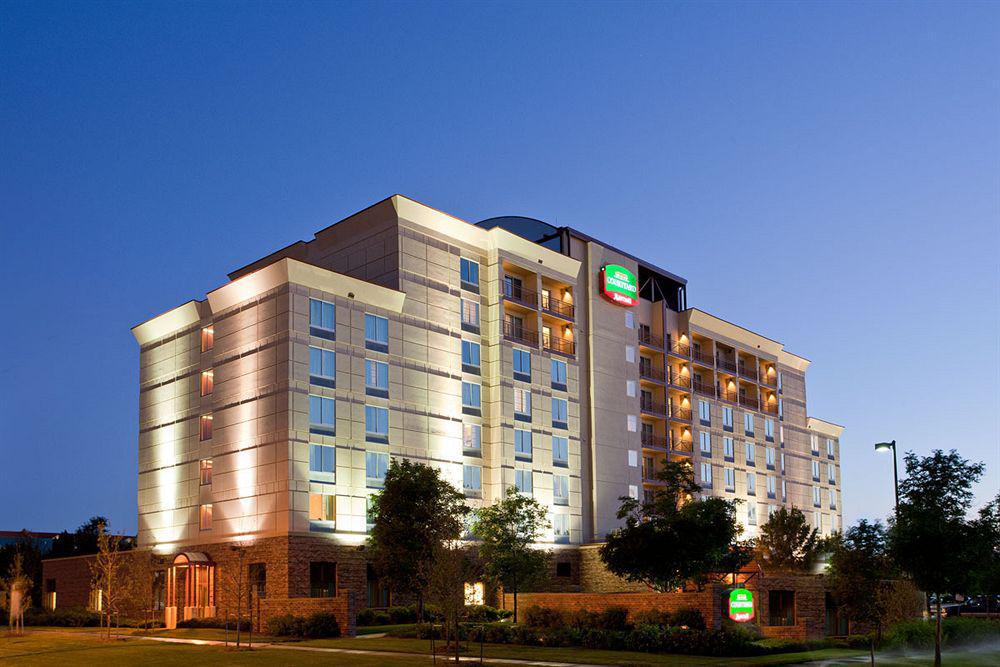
[(507, 353)]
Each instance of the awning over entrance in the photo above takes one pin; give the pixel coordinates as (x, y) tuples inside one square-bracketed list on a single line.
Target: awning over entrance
[(192, 558)]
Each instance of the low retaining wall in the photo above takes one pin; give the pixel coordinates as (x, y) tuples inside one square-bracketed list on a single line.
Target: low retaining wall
[(341, 606)]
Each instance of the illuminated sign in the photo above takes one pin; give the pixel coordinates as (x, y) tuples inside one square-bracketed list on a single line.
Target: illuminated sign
[(740, 605), (619, 285)]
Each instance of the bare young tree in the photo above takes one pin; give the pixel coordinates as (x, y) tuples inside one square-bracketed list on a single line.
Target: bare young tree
[(141, 570), (18, 586), (453, 566), (108, 570), (234, 580)]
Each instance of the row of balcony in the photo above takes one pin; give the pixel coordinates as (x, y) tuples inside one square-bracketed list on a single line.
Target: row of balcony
[(530, 299), (748, 371), (550, 342), (664, 443)]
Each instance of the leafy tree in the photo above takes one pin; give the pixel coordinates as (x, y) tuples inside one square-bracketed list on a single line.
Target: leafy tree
[(673, 539), (508, 529), (453, 566), (84, 540), (986, 532), (18, 587), (27, 549), (931, 540), (787, 542), (861, 576), (415, 513)]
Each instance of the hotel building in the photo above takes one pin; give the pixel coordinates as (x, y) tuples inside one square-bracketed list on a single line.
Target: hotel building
[(507, 353)]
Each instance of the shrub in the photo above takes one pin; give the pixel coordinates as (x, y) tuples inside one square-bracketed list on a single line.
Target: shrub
[(688, 616), (660, 617), (486, 614), (645, 637), (613, 618), (399, 615), (543, 617), (321, 624), (286, 625), (581, 619), (959, 631), (70, 617), (366, 617), (216, 622)]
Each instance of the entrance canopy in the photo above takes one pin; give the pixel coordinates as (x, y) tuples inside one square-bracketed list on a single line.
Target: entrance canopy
[(192, 558)]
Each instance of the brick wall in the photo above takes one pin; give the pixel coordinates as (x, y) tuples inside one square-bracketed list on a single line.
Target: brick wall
[(810, 605), (72, 577), (342, 606)]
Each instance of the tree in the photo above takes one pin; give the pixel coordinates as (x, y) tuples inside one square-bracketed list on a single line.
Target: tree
[(26, 547), (787, 542), (508, 529), (235, 580), (415, 513), (861, 576), (18, 587), (141, 570), (453, 566), (931, 540), (672, 539), (108, 570)]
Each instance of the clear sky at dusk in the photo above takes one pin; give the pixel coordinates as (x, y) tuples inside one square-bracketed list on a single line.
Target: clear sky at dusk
[(824, 174)]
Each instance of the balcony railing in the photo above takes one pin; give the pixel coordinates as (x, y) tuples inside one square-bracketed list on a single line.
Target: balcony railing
[(521, 295), (725, 365), (701, 357), (653, 407), (682, 381), (749, 372), (680, 414), (681, 444), (650, 339), (702, 388), (651, 373), (769, 380), (653, 441), (680, 349), (519, 334), (730, 396), (557, 307), (557, 344), (771, 408)]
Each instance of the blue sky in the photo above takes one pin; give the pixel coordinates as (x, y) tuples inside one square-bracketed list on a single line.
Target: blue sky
[(824, 174)]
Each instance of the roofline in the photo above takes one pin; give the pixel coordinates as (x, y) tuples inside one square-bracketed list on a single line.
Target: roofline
[(640, 262)]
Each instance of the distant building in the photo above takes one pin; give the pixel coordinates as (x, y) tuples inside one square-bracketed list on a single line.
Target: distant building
[(45, 541)]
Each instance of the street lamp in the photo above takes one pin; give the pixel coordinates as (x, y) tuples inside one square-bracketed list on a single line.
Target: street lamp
[(884, 447)]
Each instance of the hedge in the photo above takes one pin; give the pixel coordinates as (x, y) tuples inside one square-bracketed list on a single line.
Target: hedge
[(317, 626), (956, 631)]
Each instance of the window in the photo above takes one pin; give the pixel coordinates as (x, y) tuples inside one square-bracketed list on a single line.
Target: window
[(205, 471), (781, 607), (629, 320), (633, 458), (322, 507), (322, 367), (470, 356), (207, 339), (560, 489), (631, 423), (472, 439), (630, 354), (322, 463), (815, 470), (648, 468), (633, 491), (814, 443), (376, 332), (833, 499), (470, 315), (322, 319), (704, 413), (782, 463), (771, 510), (817, 501), (751, 484), (781, 408), (522, 444), (784, 491), (769, 457), (727, 419), (727, 448), (471, 398), (522, 365), (205, 427), (730, 479), (369, 514), (829, 448), (630, 387), (831, 473), (706, 474), (751, 514), (376, 378), (522, 404), (781, 434), (558, 375), (559, 413), (322, 415), (524, 482), (376, 424), (376, 465), (769, 430), (560, 533), (560, 451), (472, 480), (469, 274), (207, 382), (258, 580), (771, 488), (748, 423), (817, 521), (322, 580), (205, 517), (705, 443), (751, 452)]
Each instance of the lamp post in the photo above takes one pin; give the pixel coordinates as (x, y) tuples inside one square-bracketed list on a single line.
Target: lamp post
[(884, 447)]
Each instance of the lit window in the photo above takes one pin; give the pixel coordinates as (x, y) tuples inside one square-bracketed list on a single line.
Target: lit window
[(817, 500), (376, 424), (784, 491), (559, 374), (833, 499), (322, 415), (730, 479), (522, 365), (207, 382), (205, 471), (322, 319), (322, 507), (470, 356), (470, 315), (322, 463), (633, 458), (769, 457), (751, 484), (769, 429), (207, 339), (818, 521), (472, 480), (522, 444), (205, 517), (205, 430), (471, 397), (633, 491), (630, 388), (631, 423), (814, 443), (522, 404), (376, 378), (560, 527), (829, 448), (322, 367), (560, 489), (472, 439), (831, 473), (469, 271), (706, 474), (751, 452), (560, 413), (376, 333), (524, 482), (782, 463), (322, 580), (376, 465), (705, 442), (815, 471), (752, 514), (727, 448), (560, 451)]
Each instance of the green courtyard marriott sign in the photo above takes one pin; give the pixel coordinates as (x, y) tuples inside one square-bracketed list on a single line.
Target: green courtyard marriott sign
[(740, 605), (619, 285)]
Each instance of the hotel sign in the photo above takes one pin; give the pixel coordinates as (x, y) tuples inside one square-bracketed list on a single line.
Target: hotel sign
[(740, 605), (619, 285)]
